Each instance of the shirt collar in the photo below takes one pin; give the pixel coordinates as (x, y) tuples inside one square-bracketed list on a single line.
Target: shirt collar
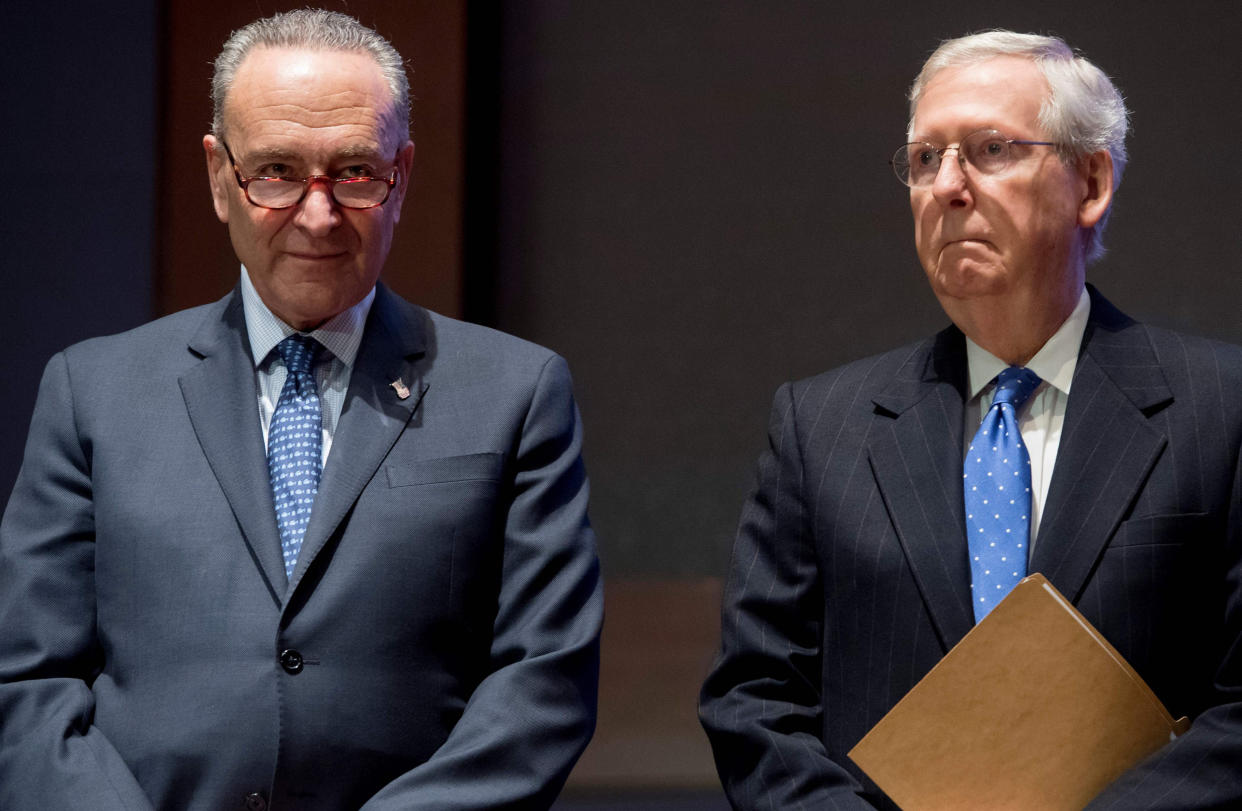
[(341, 334), (1054, 362)]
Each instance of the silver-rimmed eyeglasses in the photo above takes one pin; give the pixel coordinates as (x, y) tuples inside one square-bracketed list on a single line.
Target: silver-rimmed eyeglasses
[(988, 152), (285, 192)]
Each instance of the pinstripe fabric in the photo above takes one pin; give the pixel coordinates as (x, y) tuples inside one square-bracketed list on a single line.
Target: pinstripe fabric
[(850, 578)]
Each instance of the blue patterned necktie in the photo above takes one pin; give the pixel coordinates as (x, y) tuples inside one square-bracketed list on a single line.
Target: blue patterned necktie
[(996, 481), (294, 442)]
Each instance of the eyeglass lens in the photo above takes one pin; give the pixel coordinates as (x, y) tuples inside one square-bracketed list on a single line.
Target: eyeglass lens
[(362, 192), (988, 151)]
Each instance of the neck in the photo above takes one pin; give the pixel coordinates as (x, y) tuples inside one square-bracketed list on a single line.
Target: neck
[(1012, 328)]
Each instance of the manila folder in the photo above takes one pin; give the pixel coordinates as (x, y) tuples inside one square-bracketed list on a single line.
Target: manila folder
[(1033, 709)]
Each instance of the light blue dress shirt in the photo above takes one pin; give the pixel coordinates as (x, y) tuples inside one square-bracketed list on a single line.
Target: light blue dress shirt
[(340, 335)]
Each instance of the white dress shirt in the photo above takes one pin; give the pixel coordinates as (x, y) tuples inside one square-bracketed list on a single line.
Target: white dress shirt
[(340, 335), (1043, 416)]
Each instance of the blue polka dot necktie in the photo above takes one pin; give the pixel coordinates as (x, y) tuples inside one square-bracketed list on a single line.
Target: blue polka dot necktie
[(996, 482), (294, 442)]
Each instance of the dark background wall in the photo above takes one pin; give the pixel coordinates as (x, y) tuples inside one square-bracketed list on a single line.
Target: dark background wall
[(688, 200), (81, 101), (698, 207)]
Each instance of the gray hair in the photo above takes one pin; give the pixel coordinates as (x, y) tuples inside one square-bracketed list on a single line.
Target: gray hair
[(1084, 112), (313, 29)]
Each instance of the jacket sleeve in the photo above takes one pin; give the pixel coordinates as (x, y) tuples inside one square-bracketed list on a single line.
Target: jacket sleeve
[(51, 755), (530, 718), (1202, 769), (761, 704)]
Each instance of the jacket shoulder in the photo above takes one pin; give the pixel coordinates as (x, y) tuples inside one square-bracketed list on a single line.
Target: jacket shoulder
[(1195, 352), (149, 346), (463, 336), (474, 357), (860, 380)]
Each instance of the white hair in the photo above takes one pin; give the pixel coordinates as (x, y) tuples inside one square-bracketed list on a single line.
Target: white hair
[(1083, 114), (314, 29)]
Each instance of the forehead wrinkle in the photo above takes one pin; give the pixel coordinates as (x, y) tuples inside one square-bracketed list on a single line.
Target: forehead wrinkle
[(300, 102), (292, 135), (293, 92), (294, 112), (292, 115), (974, 102)]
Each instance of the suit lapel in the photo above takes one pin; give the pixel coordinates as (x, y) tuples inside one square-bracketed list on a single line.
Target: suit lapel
[(373, 416), (1107, 449), (221, 400), (915, 450)]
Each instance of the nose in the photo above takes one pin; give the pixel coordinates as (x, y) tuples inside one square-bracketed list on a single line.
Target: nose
[(318, 212), (950, 187)]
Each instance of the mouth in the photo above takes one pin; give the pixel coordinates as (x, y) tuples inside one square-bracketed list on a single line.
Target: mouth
[(967, 244), (313, 256)]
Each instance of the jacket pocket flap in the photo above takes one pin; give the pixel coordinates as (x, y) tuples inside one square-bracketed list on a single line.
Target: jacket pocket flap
[(471, 467), (1163, 529)]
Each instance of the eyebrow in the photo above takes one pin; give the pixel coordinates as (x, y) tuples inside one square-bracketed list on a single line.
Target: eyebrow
[(279, 154), (270, 154), (927, 139), (358, 151)]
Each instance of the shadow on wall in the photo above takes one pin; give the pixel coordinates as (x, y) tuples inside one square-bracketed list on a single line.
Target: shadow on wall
[(658, 643)]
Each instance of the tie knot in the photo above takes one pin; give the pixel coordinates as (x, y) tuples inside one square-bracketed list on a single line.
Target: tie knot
[(298, 352), (1014, 386)]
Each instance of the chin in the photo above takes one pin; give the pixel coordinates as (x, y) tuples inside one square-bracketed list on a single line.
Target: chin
[(968, 280), (309, 267)]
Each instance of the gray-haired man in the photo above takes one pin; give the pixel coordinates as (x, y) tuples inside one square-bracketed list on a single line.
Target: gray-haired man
[(903, 495), (311, 546)]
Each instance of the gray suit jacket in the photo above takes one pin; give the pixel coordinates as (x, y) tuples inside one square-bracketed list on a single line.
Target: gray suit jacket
[(850, 577), (436, 647)]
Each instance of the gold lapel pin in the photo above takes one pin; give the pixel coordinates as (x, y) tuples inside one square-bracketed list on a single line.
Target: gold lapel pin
[(400, 388)]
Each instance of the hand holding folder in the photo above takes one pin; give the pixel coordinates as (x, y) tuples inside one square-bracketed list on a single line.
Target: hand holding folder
[(1033, 709)]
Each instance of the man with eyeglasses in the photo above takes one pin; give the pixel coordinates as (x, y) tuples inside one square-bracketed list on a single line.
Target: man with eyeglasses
[(903, 496), (311, 546)]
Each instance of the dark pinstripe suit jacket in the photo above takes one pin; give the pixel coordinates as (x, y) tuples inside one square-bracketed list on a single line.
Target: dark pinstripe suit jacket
[(850, 578)]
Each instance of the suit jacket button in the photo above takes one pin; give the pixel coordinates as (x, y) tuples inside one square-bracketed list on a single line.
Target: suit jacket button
[(255, 802), (291, 661)]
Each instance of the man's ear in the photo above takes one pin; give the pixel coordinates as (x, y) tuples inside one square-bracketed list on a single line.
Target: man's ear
[(218, 166), (405, 165), (1099, 188)]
